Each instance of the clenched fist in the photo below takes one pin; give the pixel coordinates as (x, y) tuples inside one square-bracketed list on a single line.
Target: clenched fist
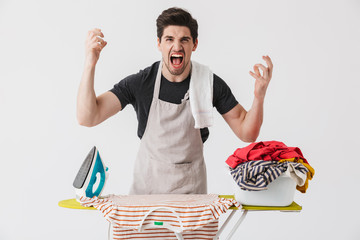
[(94, 44)]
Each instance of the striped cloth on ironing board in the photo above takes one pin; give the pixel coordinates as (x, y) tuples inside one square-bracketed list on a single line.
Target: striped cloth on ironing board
[(256, 175), (151, 216)]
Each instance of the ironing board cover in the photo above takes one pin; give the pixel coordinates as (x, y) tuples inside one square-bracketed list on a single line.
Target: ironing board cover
[(151, 216)]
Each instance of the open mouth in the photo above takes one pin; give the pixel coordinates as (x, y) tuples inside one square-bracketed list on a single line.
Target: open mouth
[(176, 59)]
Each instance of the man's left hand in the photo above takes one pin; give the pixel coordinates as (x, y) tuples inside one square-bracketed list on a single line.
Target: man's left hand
[(262, 80)]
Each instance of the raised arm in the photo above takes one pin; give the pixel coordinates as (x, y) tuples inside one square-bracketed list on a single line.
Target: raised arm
[(92, 110), (246, 124)]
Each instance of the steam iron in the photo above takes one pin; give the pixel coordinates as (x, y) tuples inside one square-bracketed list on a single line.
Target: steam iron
[(91, 178)]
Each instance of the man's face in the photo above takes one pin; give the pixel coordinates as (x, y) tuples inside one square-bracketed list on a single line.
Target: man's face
[(176, 46)]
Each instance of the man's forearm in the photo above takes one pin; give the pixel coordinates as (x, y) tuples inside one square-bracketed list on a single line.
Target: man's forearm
[(250, 128), (252, 122), (86, 99), (87, 107)]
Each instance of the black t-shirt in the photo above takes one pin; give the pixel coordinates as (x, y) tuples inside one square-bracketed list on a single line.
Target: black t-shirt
[(138, 90)]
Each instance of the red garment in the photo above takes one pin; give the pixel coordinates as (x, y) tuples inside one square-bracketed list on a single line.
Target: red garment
[(268, 151)]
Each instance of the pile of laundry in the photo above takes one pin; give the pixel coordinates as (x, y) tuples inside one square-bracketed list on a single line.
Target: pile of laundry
[(255, 166)]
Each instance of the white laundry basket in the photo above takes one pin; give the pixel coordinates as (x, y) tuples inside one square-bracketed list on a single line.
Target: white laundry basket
[(280, 193)]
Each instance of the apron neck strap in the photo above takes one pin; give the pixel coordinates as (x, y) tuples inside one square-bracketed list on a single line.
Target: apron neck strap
[(158, 81)]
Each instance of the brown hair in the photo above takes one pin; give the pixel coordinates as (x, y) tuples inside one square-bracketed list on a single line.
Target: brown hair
[(178, 17)]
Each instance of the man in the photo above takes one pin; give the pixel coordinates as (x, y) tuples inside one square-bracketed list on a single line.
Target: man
[(170, 158)]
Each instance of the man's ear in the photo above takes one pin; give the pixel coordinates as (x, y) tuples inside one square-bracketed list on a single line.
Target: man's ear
[(158, 44), (195, 45)]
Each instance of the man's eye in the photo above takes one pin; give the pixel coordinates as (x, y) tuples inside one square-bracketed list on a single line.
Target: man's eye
[(168, 39), (185, 40)]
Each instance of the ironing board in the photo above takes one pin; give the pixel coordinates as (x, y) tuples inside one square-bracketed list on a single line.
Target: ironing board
[(294, 207)]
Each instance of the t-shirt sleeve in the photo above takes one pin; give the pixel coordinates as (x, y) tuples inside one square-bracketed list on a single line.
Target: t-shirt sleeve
[(125, 90), (223, 99)]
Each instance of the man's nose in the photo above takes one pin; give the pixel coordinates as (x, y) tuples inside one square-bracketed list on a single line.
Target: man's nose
[(177, 46)]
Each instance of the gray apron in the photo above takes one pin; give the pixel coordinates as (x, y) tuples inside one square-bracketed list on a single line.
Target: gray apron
[(170, 158)]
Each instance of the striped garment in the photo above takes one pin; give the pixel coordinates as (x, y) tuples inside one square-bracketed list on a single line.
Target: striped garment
[(256, 175), (207, 232), (159, 216)]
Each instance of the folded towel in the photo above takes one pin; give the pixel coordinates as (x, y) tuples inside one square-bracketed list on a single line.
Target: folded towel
[(201, 95)]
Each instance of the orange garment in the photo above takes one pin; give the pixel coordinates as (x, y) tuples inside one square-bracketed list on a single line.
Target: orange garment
[(159, 216), (310, 173)]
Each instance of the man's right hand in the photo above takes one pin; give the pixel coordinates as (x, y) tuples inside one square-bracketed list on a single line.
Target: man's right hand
[(93, 46)]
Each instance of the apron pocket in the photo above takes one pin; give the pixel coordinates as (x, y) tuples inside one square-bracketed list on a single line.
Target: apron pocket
[(168, 177)]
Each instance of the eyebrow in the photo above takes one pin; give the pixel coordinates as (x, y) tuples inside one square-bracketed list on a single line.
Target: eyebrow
[(186, 38)]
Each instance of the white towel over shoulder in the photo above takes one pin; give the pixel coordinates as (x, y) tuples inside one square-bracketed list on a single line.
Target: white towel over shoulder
[(201, 95)]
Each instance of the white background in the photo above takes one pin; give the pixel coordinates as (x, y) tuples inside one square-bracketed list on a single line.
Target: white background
[(312, 103)]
